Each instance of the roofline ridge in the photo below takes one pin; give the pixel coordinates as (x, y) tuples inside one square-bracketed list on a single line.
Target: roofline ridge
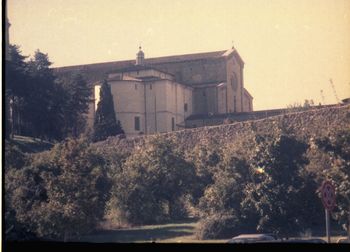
[(146, 59)]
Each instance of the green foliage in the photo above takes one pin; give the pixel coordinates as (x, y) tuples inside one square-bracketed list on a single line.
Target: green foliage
[(276, 195), (14, 161), (153, 180), (225, 194), (336, 147), (14, 158), (62, 192), (205, 157), (15, 72), (15, 87), (218, 226), (34, 96), (105, 123), (77, 99), (260, 180), (43, 104)]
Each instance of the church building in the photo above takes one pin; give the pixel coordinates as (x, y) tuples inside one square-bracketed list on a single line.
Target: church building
[(155, 95)]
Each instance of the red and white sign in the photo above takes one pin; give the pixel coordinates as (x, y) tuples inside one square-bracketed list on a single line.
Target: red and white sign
[(328, 195)]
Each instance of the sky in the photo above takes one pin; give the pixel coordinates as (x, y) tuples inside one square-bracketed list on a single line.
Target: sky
[(291, 48)]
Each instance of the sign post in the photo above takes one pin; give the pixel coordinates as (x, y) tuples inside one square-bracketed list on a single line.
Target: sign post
[(327, 227), (328, 200)]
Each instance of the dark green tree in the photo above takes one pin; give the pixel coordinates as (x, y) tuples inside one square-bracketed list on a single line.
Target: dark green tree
[(336, 148), (105, 123), (152, 183), (16, 89), (276, 193), (220, 206), (43, 102), (205, 157), (14, 161), (60, 193), (77, 99)]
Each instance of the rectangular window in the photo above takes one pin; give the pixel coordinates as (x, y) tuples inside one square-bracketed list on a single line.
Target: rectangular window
[(185, 107), (172, 123), (135, 86), (150, 86), (137, 123)]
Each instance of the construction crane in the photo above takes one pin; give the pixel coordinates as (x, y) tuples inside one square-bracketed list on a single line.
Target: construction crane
[(335, 93)]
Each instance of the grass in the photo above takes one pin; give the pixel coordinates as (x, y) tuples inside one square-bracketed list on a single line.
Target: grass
[(182, 232), (30, 144), (166, 233)]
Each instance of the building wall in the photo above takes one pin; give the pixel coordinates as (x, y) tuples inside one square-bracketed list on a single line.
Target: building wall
[(176, 97), (208, 88), (196, 71), (145, 73), (128, 97), (154, 102), (90, 115), (234, 71), (247, 103), (205, 100), (221, 99)]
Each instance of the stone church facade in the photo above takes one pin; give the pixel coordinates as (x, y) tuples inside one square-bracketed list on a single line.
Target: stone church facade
[(160, 94)]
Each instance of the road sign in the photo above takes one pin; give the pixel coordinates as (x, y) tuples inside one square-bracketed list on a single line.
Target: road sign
[(328, 195)]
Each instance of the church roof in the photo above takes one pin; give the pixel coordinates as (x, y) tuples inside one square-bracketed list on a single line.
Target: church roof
[(247, 93), (97, 71), (157, 60)]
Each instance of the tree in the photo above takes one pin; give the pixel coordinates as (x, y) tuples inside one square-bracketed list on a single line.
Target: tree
[(276, 194), (225, 194), (220, 206), (337, 149), (15, 160), (105, 123), (152, 183), (43, 103), (33, 95), (15, 89), (205, 156), (77, 99), (60, 193)]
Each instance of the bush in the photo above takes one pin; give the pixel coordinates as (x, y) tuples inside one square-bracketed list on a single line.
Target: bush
[(219, 226), (152, 182), (14, 161), (61, 192)]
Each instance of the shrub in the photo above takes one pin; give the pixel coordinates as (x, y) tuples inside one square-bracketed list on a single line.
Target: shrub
[(219, 226), (152, 183), (14, 162), (61, 192)]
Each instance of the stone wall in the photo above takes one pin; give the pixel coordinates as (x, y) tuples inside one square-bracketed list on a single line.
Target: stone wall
[(307, 124)]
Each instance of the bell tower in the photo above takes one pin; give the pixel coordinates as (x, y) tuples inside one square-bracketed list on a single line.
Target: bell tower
[(140, 58)]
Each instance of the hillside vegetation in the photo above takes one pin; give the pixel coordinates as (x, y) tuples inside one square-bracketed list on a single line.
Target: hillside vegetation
[(304, 125), (254, 176)]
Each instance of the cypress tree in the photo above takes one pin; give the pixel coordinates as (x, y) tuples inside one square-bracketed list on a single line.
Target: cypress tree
[(105, 123)]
